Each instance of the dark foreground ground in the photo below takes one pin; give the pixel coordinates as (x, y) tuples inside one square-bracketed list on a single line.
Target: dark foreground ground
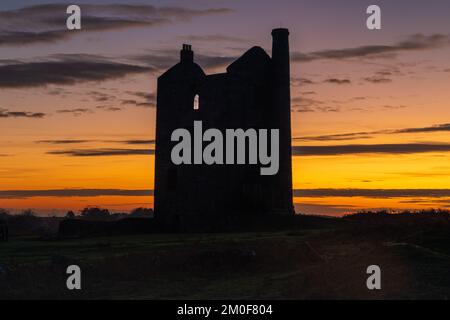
[(327, 259)]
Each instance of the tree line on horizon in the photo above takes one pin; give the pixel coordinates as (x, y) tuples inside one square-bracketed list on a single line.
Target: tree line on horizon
[(90, 213)]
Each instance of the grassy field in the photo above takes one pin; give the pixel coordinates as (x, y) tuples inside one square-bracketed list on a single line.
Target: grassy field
[(315, 263)]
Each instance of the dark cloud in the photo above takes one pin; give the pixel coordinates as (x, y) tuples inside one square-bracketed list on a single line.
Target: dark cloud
[(391, 71), (137, 103), (149, 99), (58, 91), (304, 104), (146, 95), (101, 96), (67, 70), (22, 194), (414, 42), (337, 81), (47, 23), (431, 202), (337, 137), (102, 152), (377, 79), (76, 111), (366, 135), (20, 37), (305, 193), (394, 107), (78, 141), (296, 82), (334, 150), (134, 142), (63, 141), (327, 109), (302, 109), (110, 109), (5, 113), (373, 193), (436, 128)]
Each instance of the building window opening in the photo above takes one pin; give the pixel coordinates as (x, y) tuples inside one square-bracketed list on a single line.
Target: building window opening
[(196, 102)]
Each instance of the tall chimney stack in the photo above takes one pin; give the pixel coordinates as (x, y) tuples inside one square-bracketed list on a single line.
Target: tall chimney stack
[(186, 54), (280, 55), (281, 77)]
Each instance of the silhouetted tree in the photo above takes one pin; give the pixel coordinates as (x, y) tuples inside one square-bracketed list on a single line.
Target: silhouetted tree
[(28, 213), (95, 213), (4, 213), (70, 215), (142, 213)]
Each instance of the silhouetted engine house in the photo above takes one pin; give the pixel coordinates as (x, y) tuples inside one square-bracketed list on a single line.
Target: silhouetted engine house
[(253, 93)]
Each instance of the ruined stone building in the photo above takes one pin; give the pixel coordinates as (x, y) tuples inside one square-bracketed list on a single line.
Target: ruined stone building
[(254, 92)]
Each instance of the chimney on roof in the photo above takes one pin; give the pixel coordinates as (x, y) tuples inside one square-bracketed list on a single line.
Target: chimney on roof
[(186, 54)]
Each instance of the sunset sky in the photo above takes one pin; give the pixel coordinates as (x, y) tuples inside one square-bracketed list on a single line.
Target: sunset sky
[(370, 109)]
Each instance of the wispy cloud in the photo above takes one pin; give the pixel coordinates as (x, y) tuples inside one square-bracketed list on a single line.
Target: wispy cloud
[(338, 81), (377, 79), (5, 113), (297, 82), (46, 23), (22, 194), (335, 150), (373, 193), (369, 134), (134, 142), (64, 70), (109, 108), (445, 203), (147, 99), (102, 152), (75, 111), (337, 137), (329, 150), (79, 141), (436, 128), (149, 96), (306, 104), (301, 193), (67, 141), (137, 103), (98, 96), (414, 42)]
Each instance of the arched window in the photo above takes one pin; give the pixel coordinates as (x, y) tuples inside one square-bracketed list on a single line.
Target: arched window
[(196, 102)]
